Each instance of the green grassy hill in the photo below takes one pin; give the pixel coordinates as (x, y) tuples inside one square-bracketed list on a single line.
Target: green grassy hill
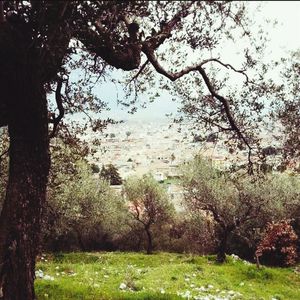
[(159, 276)]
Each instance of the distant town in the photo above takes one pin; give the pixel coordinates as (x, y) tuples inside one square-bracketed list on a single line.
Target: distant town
[(140, 147)]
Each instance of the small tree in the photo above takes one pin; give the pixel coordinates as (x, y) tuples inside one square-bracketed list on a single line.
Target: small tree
[(81, 206), (148, 203), (128, 134), (111, 174), (95, 168), (229, 203), (173, 157)]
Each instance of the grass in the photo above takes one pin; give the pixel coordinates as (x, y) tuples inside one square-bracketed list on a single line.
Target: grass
[(160, 276)]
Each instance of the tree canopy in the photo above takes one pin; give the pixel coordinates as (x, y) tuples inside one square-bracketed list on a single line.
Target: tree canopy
[(43, 42), (148, 203)]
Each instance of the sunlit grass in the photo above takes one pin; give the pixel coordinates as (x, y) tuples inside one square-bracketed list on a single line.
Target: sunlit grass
[(160, 276)]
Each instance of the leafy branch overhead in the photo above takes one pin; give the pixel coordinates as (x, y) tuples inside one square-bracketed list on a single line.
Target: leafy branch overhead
[(173, 46), (129, 36)]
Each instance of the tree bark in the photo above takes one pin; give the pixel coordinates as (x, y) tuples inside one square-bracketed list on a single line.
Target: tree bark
[(29, 164), (149, 237), (221, 251), (80, 239)]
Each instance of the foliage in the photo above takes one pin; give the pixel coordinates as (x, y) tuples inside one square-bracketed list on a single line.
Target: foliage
[(278, 246), (159, 276), (111, 174), (95, 168), (80, 206), (191, 232), (48, 40), (148, 203), (4, 148), (230, 202), (288, 111)]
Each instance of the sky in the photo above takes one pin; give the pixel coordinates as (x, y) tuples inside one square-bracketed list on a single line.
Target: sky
[(284, 37)]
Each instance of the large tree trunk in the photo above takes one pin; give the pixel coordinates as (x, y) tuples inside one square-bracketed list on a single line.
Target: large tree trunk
[(28, 173)]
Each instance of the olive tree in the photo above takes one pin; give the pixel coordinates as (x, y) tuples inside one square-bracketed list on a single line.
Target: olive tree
[(85, 206), (148, 204), (230, 203), (111, 174), (43, 42), (287, 113)]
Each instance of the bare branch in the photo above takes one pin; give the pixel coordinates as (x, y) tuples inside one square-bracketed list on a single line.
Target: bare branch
[(228, 66), (157, 39), (229, 116), (199, 68), (140, 71), (4, 153), (149, 51)]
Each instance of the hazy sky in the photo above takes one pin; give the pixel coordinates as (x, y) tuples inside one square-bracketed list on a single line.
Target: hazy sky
[(284, 37)]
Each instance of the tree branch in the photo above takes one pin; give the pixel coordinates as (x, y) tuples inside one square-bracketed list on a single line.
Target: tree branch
[(149, 51), (4, 153), (157, 39), (140, 71), (229, 66), (127, 58)]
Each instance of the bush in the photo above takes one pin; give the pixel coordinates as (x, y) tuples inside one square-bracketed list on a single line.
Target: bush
[(278, 247), (192, 233)]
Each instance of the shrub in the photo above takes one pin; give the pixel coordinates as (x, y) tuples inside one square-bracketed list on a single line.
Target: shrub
[(278, 247)]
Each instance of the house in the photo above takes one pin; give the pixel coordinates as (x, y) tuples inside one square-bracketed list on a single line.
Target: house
[(159, 176)]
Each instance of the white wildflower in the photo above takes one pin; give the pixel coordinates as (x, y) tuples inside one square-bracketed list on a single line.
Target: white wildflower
[(123, 286), (39, 274), (187, 295), (234, 257), (48, 277)]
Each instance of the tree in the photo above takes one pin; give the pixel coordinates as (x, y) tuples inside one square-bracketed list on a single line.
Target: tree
[(111, 174), (287, 113), (148, 203), (95, 168), (43, 41), (229, 202), (128, 134), (83, 206)]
